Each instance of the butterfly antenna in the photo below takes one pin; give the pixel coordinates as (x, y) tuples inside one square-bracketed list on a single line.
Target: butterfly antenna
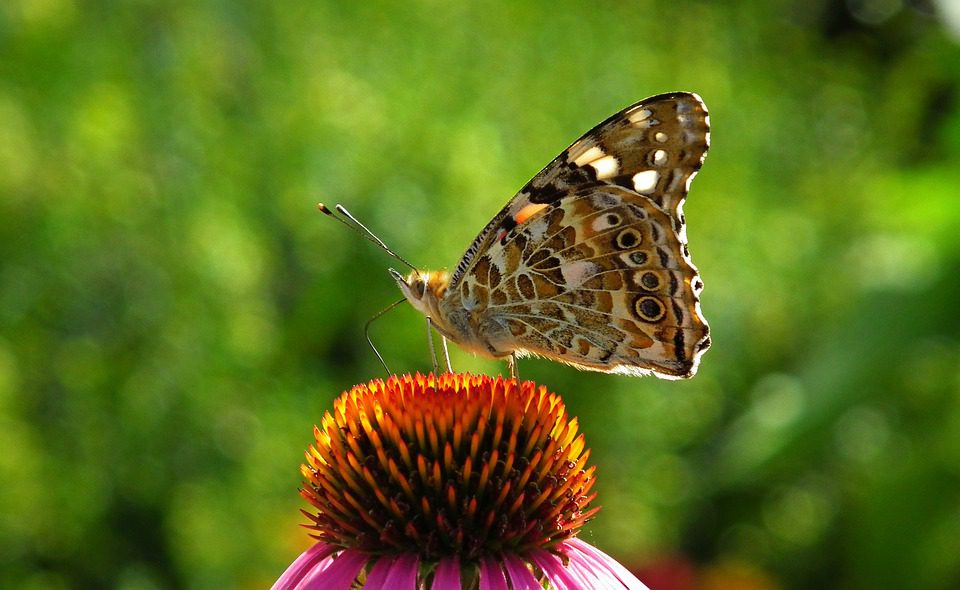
[(355, 225), (366, 332)]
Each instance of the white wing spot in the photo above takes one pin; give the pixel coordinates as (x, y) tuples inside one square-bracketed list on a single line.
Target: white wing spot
[(536, 229), (576, 273), (638, 118), (646, 181), (592, 154), (660, 136), (602, 222), (659, 157), (606, 167)]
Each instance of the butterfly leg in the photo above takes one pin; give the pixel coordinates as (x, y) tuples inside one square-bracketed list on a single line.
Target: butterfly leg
[(433, 350), (512, 363), (446, 353)]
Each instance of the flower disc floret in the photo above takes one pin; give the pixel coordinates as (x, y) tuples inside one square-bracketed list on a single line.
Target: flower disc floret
[(451, 465)]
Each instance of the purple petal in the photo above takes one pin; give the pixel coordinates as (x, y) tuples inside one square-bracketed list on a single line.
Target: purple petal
[(340, 575), (303, 565), (557, 574), (403, 574), (491, 576), (585, 570), (520, 577), (447, 576), (603, 561), (378, 574)]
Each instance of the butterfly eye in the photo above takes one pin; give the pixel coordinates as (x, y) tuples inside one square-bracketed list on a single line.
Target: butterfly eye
[(420, 287)]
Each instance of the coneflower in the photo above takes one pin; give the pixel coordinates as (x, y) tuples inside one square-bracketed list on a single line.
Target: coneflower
[(446, 483)]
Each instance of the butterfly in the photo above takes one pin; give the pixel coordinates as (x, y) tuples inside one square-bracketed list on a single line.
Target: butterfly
[(588, 264)]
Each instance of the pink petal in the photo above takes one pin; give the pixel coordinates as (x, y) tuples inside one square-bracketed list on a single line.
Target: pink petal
[(584, 570), (603, 561), (303, 565), (557, 574), (403, 574), (520, 577), (378, 574), (447, 576), (491, 576), (340, 575)]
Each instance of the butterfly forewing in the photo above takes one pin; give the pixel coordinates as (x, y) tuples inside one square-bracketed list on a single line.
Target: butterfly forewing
[(668, 133), (663, 138), (588, 264)]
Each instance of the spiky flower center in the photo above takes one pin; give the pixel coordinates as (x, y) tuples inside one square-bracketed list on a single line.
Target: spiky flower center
[(452, 465)]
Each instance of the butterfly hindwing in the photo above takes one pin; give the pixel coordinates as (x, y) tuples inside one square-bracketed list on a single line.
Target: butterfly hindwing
[(598, 281)]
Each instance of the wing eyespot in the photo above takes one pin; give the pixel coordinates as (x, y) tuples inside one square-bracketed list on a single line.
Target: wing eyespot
[(650, 281), (628, 238), (649, 309)]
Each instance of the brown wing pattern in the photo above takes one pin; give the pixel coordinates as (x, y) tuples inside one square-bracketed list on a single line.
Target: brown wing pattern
[(601, 281)]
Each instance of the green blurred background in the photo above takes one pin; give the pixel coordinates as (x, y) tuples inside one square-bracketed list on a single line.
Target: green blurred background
[(175, 315)]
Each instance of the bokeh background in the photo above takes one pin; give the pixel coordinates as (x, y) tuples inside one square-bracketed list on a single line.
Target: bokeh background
[(175, 315)]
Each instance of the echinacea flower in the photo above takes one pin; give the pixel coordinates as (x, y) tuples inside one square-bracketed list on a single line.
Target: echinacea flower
[(448, 483)]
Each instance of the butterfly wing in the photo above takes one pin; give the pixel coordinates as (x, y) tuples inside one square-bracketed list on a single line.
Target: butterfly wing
[(667, 134), (588, 263), (599, 281)]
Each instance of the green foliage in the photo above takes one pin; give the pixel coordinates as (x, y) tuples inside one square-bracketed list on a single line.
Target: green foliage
[(174, 315)]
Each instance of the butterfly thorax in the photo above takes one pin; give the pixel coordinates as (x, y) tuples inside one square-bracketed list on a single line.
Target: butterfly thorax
[(463, 321)]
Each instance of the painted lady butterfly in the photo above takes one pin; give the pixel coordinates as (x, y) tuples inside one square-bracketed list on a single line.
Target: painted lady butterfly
[(588, 264)]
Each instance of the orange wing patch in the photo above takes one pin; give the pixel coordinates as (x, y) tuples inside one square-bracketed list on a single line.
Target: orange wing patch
[(528, 212)]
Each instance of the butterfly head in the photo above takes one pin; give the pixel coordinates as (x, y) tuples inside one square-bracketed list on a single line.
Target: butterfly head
[(423, 289)]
